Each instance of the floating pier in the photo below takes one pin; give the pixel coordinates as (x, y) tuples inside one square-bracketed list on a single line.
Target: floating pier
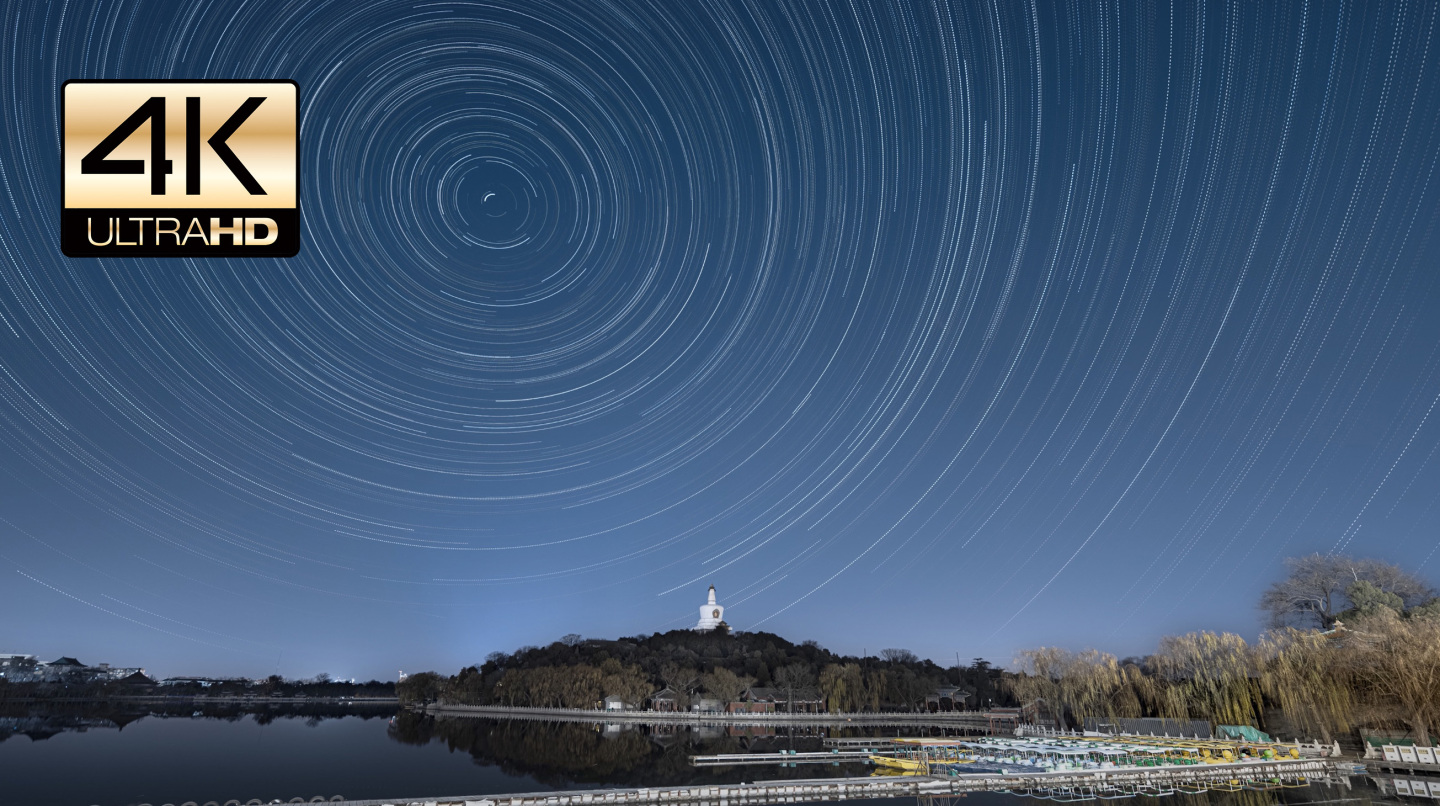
[(1404, 758), (1250, 774), (783, 757), (1420, 787)]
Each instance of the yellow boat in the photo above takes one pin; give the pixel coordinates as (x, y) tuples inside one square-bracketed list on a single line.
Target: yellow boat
[(914, 756), (905, 766)]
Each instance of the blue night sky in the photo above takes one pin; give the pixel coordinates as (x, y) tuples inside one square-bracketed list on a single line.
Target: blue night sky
[(960, 327)]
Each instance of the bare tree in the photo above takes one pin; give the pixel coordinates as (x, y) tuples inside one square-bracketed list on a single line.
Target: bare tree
[(792, 677), (574, 639), (626, 682), (898, 656), (680, 678), (1314, 591)]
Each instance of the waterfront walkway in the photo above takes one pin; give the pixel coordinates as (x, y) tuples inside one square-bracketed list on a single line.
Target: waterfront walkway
[(1256, 775), (979, 720)]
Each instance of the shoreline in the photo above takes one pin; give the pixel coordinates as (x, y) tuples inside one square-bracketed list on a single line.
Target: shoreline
[(966, 719), (201, 698)]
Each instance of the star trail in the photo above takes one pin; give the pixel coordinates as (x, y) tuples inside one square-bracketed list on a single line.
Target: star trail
[(961, 326)]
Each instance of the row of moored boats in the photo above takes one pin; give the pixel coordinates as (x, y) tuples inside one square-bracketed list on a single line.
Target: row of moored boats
[(954, 756)]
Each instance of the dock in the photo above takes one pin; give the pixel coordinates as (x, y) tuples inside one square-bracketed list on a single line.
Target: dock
[(1403, 758), (1418, 786), (859, 756), (1381, 765), (1148, 780)]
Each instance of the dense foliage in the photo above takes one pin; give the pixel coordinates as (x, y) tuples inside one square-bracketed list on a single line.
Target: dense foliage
[(579, 673)]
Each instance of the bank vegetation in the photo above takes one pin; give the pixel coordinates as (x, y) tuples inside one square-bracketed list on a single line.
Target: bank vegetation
[(1353, 644)]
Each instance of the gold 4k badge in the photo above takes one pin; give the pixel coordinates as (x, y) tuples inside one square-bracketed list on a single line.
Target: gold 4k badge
[(180, 168)]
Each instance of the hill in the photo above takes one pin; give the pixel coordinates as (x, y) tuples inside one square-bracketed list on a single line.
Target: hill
[(577, 672)]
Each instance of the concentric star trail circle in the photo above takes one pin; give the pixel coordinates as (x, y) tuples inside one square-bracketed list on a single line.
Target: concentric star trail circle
[(1051, 315)]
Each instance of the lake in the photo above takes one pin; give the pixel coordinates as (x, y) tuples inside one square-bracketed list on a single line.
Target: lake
[(109, 757)]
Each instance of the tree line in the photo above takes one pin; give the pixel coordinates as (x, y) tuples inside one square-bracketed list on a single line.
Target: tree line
[(1353, 643), (575, 672), (320, 686)]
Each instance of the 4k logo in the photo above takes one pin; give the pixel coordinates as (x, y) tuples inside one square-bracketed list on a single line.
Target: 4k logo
[(180, 169)]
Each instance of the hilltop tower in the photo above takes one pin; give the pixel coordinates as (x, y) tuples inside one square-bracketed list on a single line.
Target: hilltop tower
[(711, 614)]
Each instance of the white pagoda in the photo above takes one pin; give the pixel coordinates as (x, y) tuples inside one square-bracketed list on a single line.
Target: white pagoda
[(711, 614)]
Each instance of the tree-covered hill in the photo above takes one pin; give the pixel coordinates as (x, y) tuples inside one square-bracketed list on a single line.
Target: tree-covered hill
[(577, 672)]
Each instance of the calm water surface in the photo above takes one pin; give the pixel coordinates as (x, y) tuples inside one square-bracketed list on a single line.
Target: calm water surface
[(82, 758)]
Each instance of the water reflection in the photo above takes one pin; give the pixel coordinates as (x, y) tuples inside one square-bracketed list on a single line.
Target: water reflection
[(41, 721), (565, 754), (78, 755)]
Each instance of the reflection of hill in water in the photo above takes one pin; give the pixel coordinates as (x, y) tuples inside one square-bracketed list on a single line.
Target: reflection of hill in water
[(565, 753), (40, 721), (570, 755)]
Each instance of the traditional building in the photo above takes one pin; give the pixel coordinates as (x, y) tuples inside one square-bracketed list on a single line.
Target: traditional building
[(946, 698), (711, 615), (666, 699), (774, 700), (63, 670)]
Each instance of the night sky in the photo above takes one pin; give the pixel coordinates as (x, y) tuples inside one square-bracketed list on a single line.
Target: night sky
[(958, 327)]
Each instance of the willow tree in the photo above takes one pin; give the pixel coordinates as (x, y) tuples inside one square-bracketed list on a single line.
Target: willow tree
[(1206, 675), (1310, 675), (842, 687), (874, 685), (1086, 684)]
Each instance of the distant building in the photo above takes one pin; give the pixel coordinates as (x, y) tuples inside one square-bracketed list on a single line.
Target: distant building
[(1003, 719), (63, 670), (666, 699), (707, 705), (137, 680), (105, 672), (27, 669), (768, 700), (946, 698), (202, 682), (615, 703)]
